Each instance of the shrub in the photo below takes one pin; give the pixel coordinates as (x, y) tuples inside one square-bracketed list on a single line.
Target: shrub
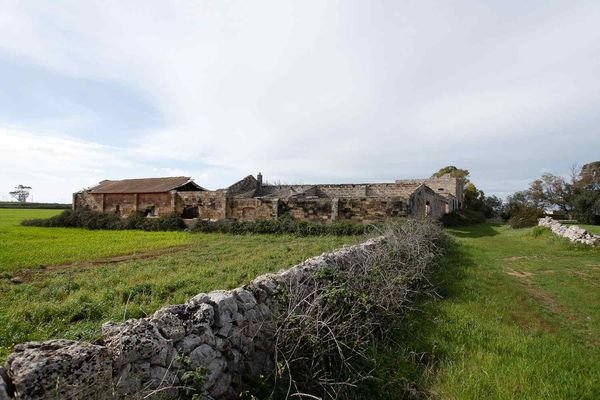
[(330, 320), (94, 220), (538, 231), (462, 218), (283, 225), (173, 222), (525, 217), (586, 207)]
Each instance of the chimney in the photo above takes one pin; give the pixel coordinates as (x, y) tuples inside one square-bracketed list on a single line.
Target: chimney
[(259, 180)]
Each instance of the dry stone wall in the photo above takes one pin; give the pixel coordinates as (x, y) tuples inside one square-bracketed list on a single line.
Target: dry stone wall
[(224, 336), (571, 232)]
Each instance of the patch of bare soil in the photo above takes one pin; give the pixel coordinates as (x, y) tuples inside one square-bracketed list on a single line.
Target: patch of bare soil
[(519, 274), (544, 299), (29, 274), (548, 302)]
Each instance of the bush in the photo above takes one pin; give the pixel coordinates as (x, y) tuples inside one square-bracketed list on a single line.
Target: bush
[(94, 220), (283, 225), (462, 218), (538, 231), (173, 222), (28, 205), (586, 207), (525, 217), (330, 320)]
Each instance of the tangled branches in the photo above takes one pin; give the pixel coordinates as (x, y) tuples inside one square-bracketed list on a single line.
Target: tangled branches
[(330, 320)]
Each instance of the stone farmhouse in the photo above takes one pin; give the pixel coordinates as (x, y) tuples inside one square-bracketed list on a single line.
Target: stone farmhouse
[(250, 199)]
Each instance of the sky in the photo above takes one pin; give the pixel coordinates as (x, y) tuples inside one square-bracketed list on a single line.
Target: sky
[(306, 91)]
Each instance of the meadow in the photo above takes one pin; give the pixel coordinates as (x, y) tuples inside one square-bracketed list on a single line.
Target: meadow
[(516, 316), (65, 282), (591, 228), (33, 247), (515, 313)]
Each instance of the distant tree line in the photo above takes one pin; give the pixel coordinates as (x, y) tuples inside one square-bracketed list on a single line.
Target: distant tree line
[(577, 197), (46, 206)]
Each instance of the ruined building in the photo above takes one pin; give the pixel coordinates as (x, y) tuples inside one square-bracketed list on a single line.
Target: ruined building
[(249, 199)]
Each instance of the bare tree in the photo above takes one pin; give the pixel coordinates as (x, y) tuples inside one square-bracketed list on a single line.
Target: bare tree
[(21, 193)]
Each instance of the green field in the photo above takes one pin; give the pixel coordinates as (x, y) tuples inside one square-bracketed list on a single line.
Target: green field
[(591, 228), (32, 247), (516, 315), (72, 300), (518, 318)]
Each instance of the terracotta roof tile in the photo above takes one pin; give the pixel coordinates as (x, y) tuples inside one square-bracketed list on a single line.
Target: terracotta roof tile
[(144, 185)]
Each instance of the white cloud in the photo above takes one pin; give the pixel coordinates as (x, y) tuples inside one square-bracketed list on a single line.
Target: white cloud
[(318, 90)]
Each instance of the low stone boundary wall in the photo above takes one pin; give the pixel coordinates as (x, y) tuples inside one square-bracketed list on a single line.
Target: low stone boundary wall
[(571, 232), (211, 343)]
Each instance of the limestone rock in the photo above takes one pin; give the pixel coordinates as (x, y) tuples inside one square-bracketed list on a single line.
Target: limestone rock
[(203, 355), (5, 388), (60, 369), (573, 232), (169, 324), (136, 340), (225, 306)]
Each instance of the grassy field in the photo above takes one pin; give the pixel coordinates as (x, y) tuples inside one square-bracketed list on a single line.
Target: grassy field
[(31, 247), (518, 318), (72, 300), (517, 314), (591, 228)]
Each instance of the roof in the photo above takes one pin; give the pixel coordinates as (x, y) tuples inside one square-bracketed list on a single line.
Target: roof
[(144, 185)]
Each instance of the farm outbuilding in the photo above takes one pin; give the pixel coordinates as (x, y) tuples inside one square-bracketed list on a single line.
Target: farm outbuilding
[(151, 196), (250, 199)]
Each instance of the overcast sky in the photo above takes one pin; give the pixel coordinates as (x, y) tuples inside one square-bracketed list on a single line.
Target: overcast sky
[(304, 91)]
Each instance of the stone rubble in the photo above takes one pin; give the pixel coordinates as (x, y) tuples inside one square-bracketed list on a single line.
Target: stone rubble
[(571, 232), (226, 333)]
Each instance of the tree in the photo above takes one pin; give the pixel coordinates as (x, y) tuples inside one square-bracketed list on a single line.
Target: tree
[(551, 191), (472, 197), (492, 206), (586, 207), (476, 200), (453, 172), (21, 193)]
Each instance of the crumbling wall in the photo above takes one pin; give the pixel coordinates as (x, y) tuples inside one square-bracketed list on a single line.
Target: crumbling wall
[(252, 209), (212, 205), (369, 210), (227, 336), (571, 232), (309, 209)]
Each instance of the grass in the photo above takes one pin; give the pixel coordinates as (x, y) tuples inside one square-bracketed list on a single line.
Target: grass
[(33, 247), (518, 318), (72, 301), (591, 228)]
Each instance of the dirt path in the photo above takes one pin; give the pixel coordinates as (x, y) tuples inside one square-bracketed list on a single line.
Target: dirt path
[(29, 274)]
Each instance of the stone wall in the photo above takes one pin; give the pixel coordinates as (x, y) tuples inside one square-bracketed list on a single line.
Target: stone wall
[(210, 205), (571, 232), (251, 209), (127, 203), (228, 334)]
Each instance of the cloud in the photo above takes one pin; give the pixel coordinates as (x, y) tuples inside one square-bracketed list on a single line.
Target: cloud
[(321, 91)]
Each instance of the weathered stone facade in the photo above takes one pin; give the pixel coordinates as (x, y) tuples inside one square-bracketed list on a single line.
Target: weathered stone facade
[(250, 199)]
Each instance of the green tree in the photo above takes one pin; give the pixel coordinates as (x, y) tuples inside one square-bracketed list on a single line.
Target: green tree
[(453, 172), (586, 206), (21, 193), (551, 191)]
